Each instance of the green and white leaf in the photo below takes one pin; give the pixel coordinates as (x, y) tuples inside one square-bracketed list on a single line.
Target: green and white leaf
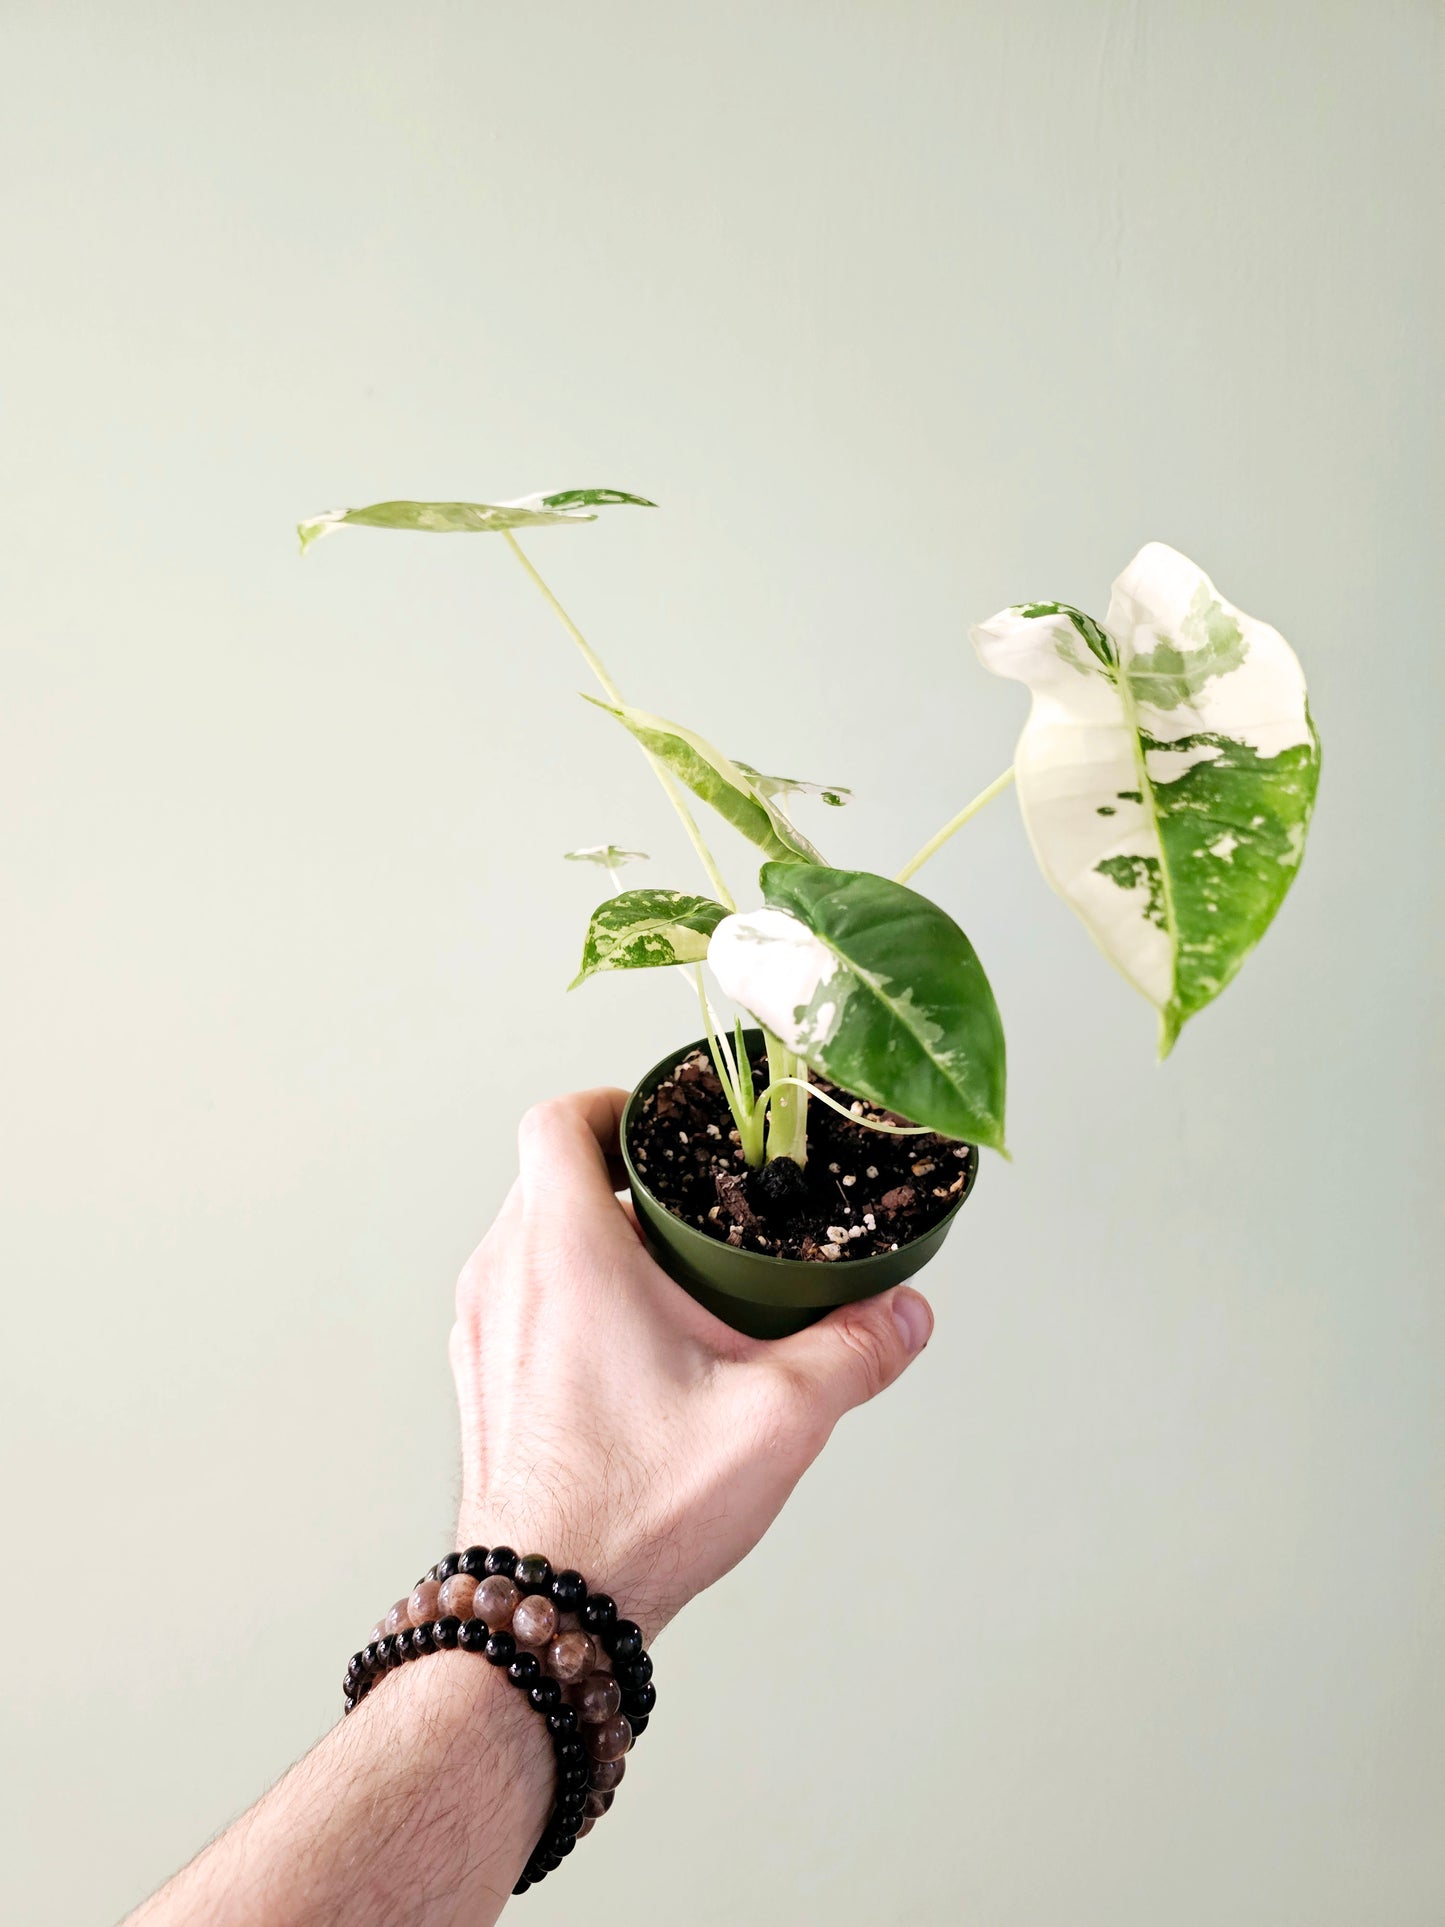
[(642, 929), (607, 856), (772, 787), (472, 518), (1166, 773), (718, 780), (877, 989)]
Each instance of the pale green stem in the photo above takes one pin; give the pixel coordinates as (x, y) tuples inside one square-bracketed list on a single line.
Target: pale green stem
[(747, 1117), (614, 695), (727, 1070), (936, 843), (747, 1089), (787, 1120), (800, 1072), (868, 1123)]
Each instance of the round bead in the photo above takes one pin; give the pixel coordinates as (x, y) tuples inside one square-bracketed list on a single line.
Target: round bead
[(571, 1656), (582, 1832), (473, 1562), (347, 1704), (454, 1597), (571, 1777), (473, 1636), (572, 1799), (525, 1670), (422, 1638), (422, 1606), (534, 1572), (446, 1630), (639, 1724), (597, 1698), (563, 1722), (446, 1567), (381, 1652), (534, 1620), (399, 1618), (501, 1559), (610, 1740), (569, 1589), (623, 1640), (368, 1656), (598, 1612), (501, 1649), (599, 1799), (633, 1672), (495, 1600), (377, 1630), (546, 1695), (605, 1774), (639, 1699)]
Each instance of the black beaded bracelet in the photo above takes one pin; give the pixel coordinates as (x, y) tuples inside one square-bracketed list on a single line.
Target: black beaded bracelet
[(588, 1751)]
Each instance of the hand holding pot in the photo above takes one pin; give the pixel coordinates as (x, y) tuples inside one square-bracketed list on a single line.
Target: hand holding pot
[(606, 1416)]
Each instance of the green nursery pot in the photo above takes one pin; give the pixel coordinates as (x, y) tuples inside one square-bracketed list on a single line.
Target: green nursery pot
[(753, 1292)]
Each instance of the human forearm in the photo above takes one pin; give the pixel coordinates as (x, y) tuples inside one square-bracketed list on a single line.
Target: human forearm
[(421, 1807)]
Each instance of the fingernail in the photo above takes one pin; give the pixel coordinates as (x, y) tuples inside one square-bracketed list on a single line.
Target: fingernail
[(913, 1319)]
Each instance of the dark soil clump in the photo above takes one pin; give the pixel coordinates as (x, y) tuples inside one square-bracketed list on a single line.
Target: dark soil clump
[(862, 1192)]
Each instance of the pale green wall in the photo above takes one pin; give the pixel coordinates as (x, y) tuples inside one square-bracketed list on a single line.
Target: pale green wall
[(902, 312)]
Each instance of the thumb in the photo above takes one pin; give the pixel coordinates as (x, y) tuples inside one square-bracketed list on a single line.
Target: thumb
[(852, 1354)]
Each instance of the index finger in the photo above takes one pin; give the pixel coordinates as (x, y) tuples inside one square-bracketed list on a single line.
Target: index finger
[(569, 1148)]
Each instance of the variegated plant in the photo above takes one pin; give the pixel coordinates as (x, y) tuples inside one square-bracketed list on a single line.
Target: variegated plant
[(1166, 776)]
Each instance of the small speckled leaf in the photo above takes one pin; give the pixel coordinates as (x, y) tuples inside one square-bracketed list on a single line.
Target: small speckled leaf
[(472, 518), (1166, 773), (641, 929), (772, 787), (877, 988), (606, 856), (718, 781)]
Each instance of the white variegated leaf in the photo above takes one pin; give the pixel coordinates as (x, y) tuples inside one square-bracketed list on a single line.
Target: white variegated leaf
[(876, 988), (1166, 773), (643, 929), (471, 518)]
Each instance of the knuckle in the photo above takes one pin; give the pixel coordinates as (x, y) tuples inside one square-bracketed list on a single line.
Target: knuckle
[(872, 1355), (469, 1284), (457, 1348), (537, 1124), (793, 1409)]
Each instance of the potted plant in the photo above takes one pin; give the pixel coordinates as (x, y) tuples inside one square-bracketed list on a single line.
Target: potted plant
[(1166, 774)]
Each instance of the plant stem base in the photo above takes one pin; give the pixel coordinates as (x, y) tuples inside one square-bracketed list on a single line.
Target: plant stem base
[(754, 1292)]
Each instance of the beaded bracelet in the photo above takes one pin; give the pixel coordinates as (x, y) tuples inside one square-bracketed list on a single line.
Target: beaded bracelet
[(493, 1602)]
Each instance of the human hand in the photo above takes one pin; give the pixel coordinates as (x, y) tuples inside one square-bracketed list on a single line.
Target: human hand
[(607, 1418)]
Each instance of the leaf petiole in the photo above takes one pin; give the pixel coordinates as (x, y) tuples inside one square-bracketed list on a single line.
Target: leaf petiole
[(868, 1123), (935, 843), (614, 695)]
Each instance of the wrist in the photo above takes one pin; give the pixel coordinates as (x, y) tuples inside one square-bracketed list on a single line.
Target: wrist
[(626, 1566)]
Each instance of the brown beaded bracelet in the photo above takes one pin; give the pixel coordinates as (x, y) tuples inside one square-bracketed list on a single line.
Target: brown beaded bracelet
[(546, 1629)]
